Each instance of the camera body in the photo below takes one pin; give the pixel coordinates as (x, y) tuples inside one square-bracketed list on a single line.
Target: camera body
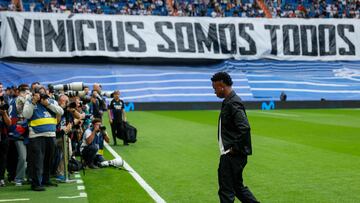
[(77, 127), (41, 91), (4, 107), (72, 105), (44, 96), (89, 116), (102, 128)]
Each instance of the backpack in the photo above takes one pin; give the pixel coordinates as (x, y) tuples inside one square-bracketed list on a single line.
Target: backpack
[(130, 132), (74, 165)]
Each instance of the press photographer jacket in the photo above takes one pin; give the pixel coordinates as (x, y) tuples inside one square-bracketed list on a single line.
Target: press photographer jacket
[(42, 120), (235, 128)]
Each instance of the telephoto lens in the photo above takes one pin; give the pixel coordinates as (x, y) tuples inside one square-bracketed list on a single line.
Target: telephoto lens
[(72, 93), (75, 86), (107, 94), (118, 162)]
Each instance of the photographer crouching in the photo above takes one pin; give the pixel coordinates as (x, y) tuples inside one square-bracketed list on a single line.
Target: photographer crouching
[(41, 111), (93, 144)]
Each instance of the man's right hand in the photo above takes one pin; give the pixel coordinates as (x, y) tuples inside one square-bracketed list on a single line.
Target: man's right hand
[(35, 98), (111, 121)]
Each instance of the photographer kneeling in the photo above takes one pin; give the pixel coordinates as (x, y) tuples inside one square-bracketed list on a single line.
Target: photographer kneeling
[(93, 143)]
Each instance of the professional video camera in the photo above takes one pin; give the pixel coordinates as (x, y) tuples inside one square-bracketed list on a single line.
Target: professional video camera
[(75, 86)]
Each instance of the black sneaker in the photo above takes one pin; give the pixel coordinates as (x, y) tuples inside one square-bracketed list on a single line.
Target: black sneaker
[(38, 188), (92, 166)]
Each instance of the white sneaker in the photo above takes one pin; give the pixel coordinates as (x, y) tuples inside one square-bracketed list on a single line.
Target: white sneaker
[(2, 183)]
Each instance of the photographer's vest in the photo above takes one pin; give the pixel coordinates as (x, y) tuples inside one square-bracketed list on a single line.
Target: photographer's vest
[(43, 120)]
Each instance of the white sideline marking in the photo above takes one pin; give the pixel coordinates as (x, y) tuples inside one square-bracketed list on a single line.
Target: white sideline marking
[(14, 200), (83, 194), (153, 194), (79, 187)]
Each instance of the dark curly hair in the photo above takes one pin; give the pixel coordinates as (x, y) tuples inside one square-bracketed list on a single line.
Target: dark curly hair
[(222, 76)]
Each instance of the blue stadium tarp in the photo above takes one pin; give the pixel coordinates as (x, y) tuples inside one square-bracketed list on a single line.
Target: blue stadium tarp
[(253, 80)]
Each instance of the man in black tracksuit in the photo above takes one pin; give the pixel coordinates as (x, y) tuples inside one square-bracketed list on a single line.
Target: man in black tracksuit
[(117, 118), (234, 142)]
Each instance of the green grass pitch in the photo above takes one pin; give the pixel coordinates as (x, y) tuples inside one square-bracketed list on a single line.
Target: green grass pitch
[(298, 156)]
